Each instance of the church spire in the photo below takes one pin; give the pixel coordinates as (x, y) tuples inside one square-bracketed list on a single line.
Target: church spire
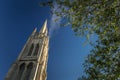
[(32, 61), (44, 27), (34, 31)]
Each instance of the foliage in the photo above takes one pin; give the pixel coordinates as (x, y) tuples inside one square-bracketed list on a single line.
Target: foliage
[(103, 62), (87, 16), (101, 17)]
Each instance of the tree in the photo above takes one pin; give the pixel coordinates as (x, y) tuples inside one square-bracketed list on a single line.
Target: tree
[(104, 59), (101, 17), (88, 16)]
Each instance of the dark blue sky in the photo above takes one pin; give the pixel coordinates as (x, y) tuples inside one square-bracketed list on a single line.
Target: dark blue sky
[(18, 18)]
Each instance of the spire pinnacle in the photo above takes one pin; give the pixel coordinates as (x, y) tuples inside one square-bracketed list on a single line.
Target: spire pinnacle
[(34, 31), (44, 27)]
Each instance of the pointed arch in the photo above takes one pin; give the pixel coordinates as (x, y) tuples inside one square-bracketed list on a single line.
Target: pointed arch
[(36, 50), (28, 71), (21, 70), (31, 49)]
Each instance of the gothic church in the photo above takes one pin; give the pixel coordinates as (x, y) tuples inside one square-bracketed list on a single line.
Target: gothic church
[(31, 64)]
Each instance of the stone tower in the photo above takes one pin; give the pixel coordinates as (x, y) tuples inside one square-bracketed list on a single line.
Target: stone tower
[(31, 64)]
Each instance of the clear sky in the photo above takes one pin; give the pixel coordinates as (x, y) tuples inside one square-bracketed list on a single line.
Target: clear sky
[(18, 18)]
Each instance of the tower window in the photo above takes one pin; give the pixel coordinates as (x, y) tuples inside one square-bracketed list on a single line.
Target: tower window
[(31, 50), (21, 70), (29, 71), (36, 50)]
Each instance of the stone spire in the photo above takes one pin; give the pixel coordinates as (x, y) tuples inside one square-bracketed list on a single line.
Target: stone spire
[(34, 31), (32, 61), (44, 27)]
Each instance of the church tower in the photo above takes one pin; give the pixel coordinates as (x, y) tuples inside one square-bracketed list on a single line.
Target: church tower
[(31, 64)]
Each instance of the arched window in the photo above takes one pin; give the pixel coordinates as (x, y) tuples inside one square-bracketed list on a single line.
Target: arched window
[(29, 71), (36, 50), (31, 50), (21, 70)]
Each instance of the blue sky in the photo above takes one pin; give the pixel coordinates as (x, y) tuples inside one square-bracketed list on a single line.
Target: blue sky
[(18, 18)]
